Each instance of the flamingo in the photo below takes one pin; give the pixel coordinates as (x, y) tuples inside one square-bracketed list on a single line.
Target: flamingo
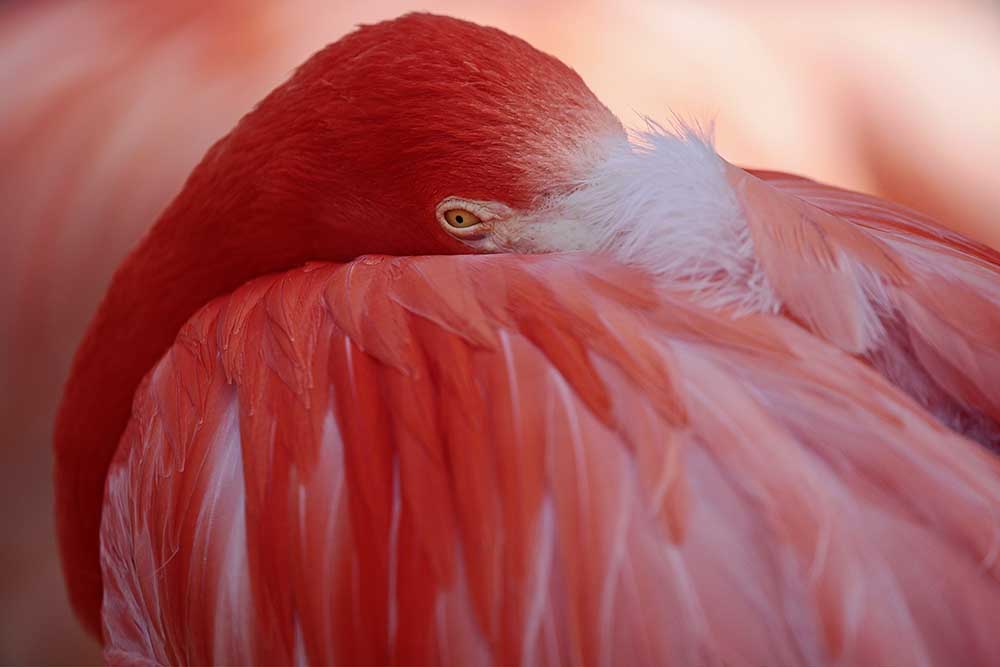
[(430, 361)]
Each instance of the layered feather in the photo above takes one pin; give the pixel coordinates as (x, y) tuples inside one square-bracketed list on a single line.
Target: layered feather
[(919, 303), (402, 461), (930, 298)]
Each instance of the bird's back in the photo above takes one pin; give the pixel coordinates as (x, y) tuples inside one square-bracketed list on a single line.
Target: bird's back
[(450, 460), (918, 302)]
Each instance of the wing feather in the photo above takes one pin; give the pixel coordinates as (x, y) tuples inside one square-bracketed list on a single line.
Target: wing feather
[(508, 473), (921, 303)]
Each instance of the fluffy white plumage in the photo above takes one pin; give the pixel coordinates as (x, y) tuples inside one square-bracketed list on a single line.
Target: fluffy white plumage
[(659, 200)]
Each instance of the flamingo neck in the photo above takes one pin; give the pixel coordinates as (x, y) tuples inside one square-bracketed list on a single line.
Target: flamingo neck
[(226, 227)]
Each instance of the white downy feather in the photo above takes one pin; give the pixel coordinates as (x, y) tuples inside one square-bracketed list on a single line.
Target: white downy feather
[(661, 201)]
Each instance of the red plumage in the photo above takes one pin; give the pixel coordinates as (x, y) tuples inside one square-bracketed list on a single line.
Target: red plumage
[(447, 495), (513, 458)]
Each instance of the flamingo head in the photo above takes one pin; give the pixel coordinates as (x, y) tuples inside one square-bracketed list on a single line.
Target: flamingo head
[(411, 136), (430, 135)]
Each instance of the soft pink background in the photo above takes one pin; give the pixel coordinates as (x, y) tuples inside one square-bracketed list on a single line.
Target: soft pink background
[(107, 106)]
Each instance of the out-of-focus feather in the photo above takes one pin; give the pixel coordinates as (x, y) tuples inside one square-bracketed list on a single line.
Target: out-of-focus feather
[(462, 493), (106, 108)]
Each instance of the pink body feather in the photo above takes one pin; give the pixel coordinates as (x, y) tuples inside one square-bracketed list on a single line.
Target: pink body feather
[(296, 486)]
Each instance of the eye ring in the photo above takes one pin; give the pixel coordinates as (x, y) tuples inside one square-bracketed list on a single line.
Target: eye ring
[(478, 218), (461, 218)]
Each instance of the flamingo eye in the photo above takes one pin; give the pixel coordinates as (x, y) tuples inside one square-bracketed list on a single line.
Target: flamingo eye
[(469, 220), (460, 217)]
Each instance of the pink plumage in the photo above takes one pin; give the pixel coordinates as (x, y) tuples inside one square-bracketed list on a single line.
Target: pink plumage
[(735, 425), (461, 492)]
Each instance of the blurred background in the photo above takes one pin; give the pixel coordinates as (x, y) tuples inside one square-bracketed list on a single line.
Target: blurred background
[(106, 106)]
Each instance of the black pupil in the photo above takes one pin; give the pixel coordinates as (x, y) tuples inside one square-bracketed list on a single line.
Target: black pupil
[(459, 219)]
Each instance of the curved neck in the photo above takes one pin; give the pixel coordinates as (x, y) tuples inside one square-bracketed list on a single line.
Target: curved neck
[(191, 256), (235, 220), (331, 165)]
